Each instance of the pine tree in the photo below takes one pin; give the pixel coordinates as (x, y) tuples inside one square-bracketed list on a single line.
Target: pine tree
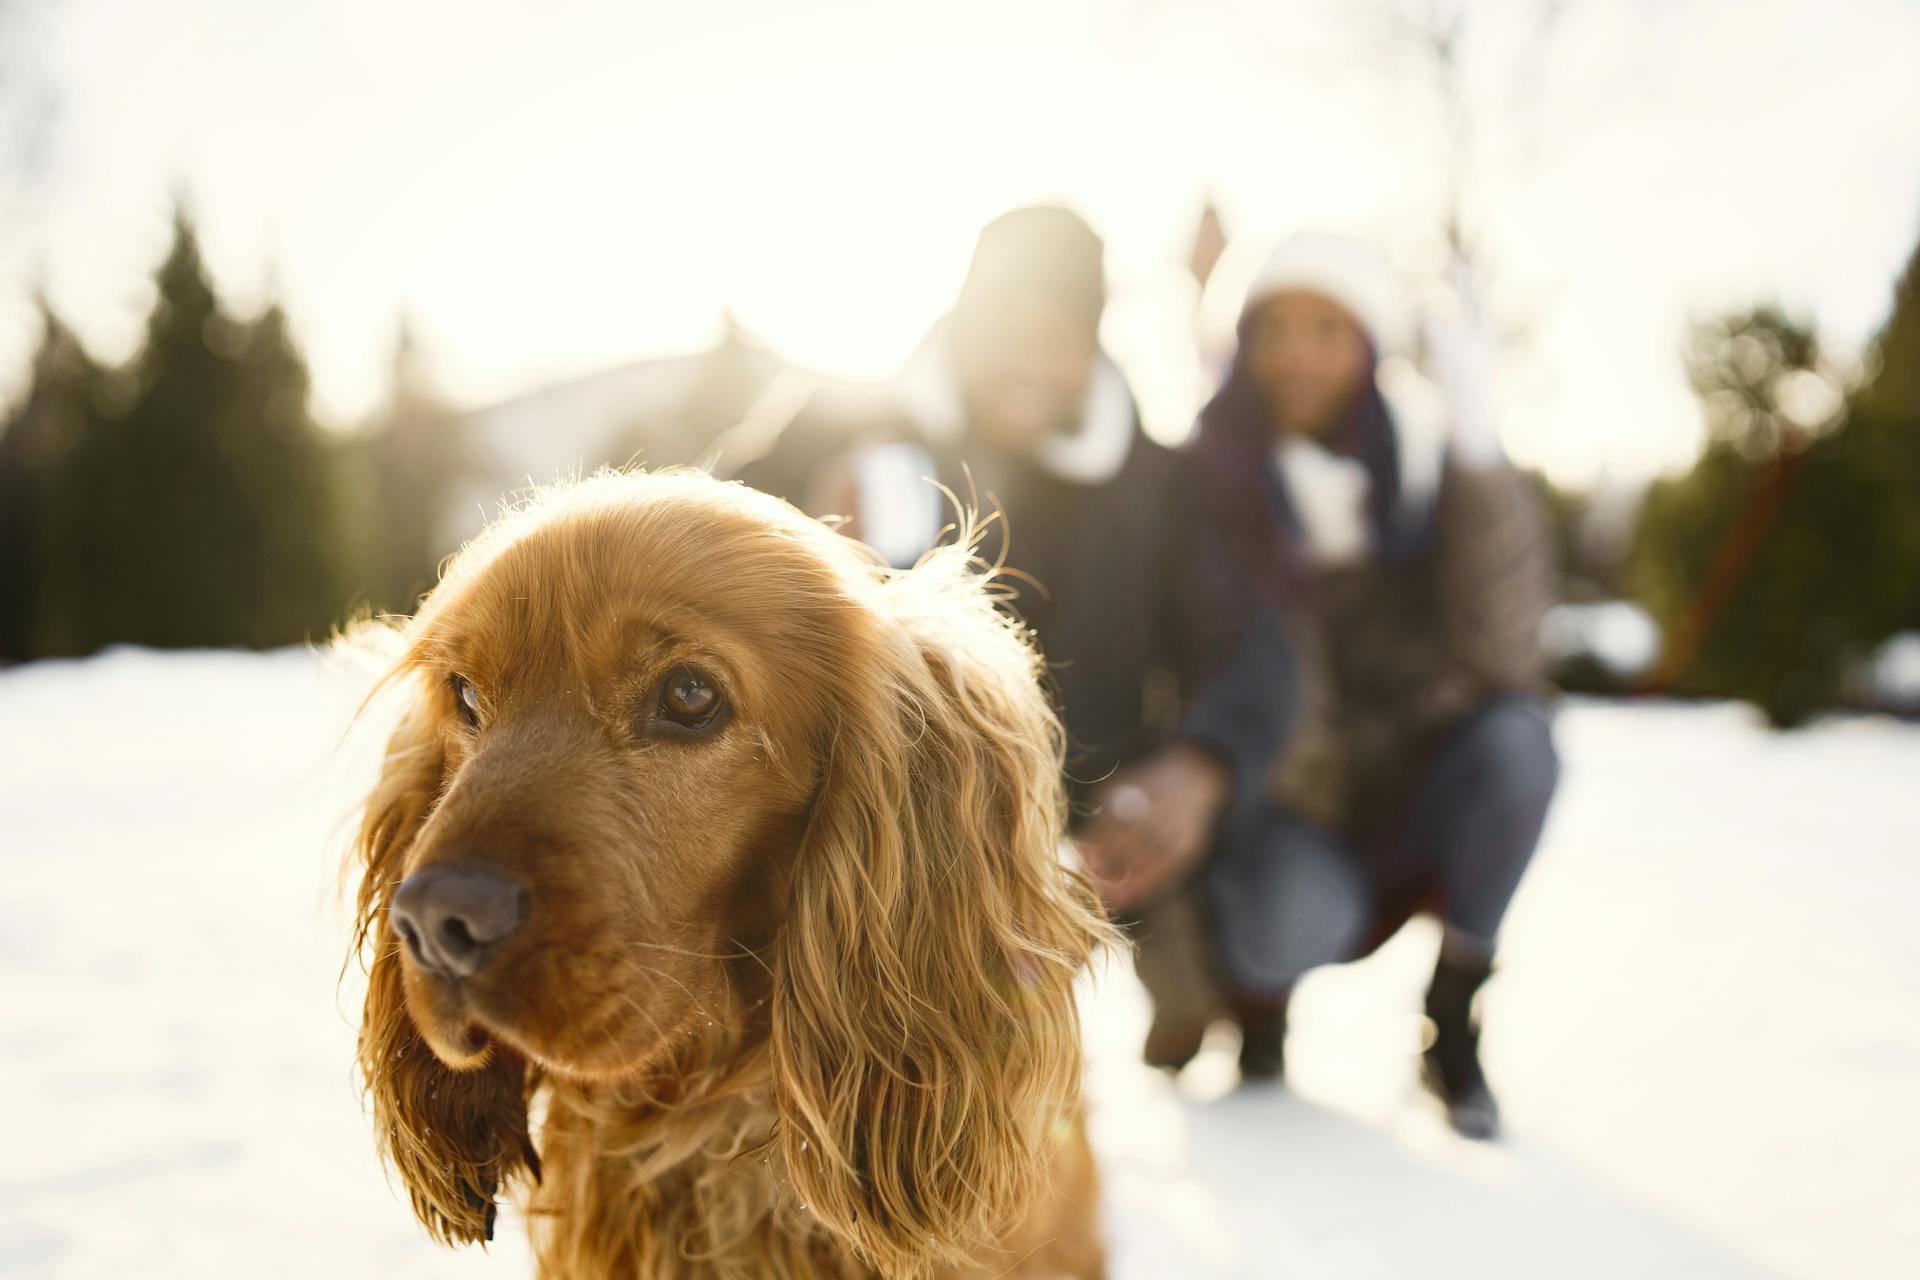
[(204, 511), (1892, 394), (413, 455), (1793, 547), (35, 446), (157, 525), (290, 472)]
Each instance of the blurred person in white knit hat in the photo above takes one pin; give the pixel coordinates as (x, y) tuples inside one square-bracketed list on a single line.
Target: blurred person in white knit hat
[(1375, 512)]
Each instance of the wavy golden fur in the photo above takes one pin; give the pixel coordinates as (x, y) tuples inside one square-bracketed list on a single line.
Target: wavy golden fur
[(793, 998)]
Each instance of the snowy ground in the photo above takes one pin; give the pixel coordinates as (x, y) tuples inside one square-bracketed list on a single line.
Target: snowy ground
[(1707, 1030)]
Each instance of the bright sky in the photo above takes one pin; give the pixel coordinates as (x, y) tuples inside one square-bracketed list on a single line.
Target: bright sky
[(553, 187)]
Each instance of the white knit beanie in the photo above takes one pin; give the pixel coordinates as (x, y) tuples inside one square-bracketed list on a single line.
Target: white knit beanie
[(1350, 273)]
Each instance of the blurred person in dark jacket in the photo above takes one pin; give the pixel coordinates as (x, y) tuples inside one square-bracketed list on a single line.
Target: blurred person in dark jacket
[(1174, 691), (1413, 565)]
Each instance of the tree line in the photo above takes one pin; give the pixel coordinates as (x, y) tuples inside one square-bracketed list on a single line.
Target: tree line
[(189, 498)]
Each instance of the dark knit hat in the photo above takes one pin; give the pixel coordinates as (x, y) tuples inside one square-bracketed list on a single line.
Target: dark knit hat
[(1044, 250)]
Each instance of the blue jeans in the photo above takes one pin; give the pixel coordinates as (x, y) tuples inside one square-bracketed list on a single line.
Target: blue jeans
[(1288, 896)]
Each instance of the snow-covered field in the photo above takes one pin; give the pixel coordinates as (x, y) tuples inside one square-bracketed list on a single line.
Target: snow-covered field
[(1707, 1029)]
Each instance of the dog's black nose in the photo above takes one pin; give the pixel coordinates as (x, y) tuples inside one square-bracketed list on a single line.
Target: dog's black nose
[(452, 919)]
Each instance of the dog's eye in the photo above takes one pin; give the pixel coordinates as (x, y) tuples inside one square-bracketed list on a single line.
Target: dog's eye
[(466, 700), (688, 699)]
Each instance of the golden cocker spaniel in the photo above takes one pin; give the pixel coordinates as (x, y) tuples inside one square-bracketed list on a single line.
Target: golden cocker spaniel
[(713, 904)]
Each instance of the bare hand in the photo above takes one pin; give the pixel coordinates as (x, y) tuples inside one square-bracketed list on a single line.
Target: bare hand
[(1153, 824)]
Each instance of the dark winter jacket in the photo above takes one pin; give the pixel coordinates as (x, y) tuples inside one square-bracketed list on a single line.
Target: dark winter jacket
[(1401, 652), (1395, 650), (1119, 576)]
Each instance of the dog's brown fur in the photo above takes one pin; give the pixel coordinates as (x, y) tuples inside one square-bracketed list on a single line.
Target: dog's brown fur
[(796, 998)]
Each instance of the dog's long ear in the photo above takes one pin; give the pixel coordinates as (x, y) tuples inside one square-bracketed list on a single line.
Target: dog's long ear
[(925, 1040), (454, 1136)]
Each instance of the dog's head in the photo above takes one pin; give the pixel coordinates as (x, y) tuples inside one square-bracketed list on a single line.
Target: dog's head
[(683, 775)]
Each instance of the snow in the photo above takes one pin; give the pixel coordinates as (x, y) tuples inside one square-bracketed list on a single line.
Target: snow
[(1619, 635), (1706, 1030), (1892, 675)]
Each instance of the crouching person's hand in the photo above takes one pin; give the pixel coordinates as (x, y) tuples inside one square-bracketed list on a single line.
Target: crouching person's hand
[(1152, 824)]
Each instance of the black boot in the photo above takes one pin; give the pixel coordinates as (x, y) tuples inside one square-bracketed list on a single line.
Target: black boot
[(1451, 1064), (1263, 1040)]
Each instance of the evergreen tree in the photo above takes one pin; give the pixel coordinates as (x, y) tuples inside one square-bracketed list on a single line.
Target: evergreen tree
[(1793, 547), (1892, 394), (204, 511), (62, 398), (290, 470), (413, 454), (153, 515)]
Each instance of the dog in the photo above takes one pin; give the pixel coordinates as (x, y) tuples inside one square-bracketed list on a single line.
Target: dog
[(712, 905)]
